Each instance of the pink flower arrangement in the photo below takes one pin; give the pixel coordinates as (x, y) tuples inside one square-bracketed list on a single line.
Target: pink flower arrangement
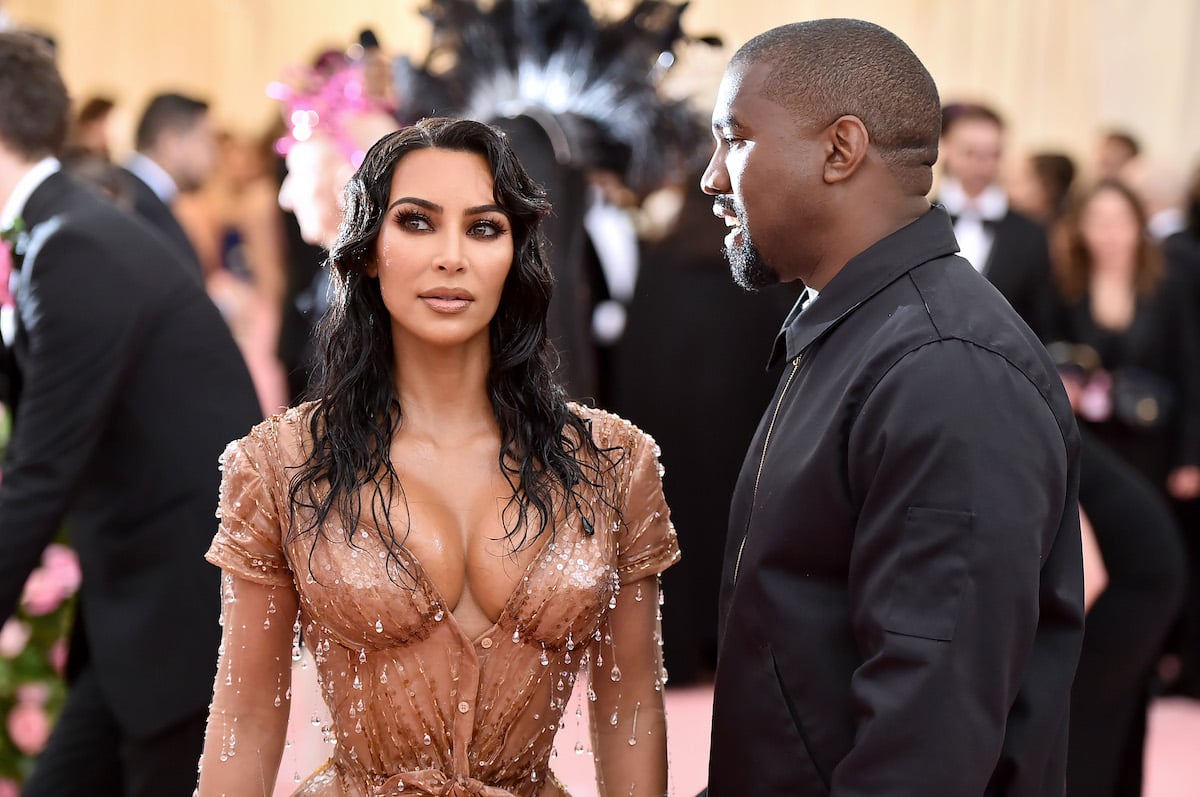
[(14, 636), (56, 580), (28, 727), (33, 650)]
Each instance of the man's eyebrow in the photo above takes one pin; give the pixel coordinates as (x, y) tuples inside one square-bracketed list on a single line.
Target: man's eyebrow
[(729, 122)]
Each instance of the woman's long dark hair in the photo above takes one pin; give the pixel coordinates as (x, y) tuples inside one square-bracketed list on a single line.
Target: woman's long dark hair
[(1073, 261), (546, 450)]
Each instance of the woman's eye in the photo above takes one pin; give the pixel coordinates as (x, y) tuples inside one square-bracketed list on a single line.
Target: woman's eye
[(414, 221), (485, 229)]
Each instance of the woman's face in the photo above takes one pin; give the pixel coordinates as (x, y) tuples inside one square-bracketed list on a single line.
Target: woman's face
[(1109, 228), (444, 250)]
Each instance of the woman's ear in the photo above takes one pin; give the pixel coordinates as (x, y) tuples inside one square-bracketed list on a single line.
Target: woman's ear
[(371, 268), (846, 148)]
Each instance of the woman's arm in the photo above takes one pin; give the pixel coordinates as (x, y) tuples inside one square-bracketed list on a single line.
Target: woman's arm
[(247, 723), (631, 753)]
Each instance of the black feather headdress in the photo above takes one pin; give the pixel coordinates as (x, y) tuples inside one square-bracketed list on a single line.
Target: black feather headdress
[(593, 84)]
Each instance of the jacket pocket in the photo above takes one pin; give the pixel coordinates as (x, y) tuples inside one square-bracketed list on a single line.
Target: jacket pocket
[(931, 574), (817, 776)]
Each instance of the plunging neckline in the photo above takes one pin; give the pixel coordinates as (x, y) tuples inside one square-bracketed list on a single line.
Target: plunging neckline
[(435, 597)]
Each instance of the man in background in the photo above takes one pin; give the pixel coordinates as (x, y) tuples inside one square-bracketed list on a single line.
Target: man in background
[(176, 151), (125, 386), (1005, 246)]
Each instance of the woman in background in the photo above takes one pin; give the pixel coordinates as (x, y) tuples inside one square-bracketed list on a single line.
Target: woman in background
[(1114, 298)]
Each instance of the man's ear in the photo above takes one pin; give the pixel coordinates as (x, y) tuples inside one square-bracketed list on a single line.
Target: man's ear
[(846, 145)]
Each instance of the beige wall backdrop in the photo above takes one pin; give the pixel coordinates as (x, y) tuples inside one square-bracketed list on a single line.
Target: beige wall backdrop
[(1058, 69)]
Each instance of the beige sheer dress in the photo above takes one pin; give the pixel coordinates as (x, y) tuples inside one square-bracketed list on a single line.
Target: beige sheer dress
[(417, 707)]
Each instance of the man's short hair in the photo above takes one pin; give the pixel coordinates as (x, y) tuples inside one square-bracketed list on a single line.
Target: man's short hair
[(94, 110), (827, 68), (168, 112), (1125, 139), (35, 109), (956, 112)]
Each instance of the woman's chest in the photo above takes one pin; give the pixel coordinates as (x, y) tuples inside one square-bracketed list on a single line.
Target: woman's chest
[(368, 592)]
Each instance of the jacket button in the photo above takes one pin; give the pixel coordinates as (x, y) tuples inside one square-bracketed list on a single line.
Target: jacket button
[(464, 707), (486, 642)]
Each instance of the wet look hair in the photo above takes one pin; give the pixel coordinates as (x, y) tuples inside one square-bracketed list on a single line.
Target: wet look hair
[(546, 449), (827, 68)]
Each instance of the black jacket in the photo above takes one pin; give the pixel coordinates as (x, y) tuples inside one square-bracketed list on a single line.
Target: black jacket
[(130, 386), (150, 207), (1019, 266), (901, 609)]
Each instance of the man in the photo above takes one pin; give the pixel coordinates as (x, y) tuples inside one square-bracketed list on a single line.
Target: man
[(1008, 248), (901, 608), (1114, 149), (176, 151), (126, 386)]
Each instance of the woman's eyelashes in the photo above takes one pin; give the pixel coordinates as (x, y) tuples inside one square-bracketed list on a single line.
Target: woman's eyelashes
[(416, 221), (486, 228)]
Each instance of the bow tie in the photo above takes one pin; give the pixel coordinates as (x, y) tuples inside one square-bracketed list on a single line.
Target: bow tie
[(988, 224)]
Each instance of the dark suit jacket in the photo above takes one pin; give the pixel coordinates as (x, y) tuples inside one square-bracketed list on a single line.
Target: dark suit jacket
[(147, 205), (1019, 266), (130, 388), (901, 610)]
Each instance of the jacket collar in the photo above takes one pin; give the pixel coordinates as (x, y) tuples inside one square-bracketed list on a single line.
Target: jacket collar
[(15, 206), (44, 202), (866, 274)]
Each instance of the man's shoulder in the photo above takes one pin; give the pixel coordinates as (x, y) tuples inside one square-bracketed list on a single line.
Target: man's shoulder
[(959, 307)]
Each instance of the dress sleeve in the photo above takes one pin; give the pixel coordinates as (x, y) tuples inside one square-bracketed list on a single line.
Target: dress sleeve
[(248, 543), (647, 544)]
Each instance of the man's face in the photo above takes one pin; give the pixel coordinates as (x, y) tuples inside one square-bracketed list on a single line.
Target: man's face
[(971, 152), (764, 174), (195, 152)]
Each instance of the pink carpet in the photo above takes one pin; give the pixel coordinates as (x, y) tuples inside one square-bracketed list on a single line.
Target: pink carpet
[(1172, 748)]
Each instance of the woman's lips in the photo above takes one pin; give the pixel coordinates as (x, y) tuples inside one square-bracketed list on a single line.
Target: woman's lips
[(446, 303)]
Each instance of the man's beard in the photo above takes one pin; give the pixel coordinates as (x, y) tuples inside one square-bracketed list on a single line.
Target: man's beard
[(747, 266)]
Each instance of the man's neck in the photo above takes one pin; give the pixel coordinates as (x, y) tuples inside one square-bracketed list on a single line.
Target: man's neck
[(18, 180)]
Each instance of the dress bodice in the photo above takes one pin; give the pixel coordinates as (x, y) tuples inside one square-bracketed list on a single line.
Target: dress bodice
[(413, 699)]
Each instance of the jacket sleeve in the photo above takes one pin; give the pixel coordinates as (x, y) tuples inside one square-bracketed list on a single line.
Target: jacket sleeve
[(963, 561), (80, 326)]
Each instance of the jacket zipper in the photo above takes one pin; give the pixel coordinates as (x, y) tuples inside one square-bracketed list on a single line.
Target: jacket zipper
[(763, 461)]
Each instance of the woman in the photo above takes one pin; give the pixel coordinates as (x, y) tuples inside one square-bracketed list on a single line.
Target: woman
[(1138, 328), (457, 540), (1129, 363)]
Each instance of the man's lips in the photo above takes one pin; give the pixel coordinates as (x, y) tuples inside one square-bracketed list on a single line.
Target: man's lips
[(722, 211)]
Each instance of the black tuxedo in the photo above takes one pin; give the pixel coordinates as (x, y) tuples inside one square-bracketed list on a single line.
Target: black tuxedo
[(1019, 266), (147, 204), (129, 387)]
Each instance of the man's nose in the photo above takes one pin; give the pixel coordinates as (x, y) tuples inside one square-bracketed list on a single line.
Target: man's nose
[(715, 180)]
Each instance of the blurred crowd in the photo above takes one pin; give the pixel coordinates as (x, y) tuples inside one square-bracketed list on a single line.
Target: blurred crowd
[(1098, 249)]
